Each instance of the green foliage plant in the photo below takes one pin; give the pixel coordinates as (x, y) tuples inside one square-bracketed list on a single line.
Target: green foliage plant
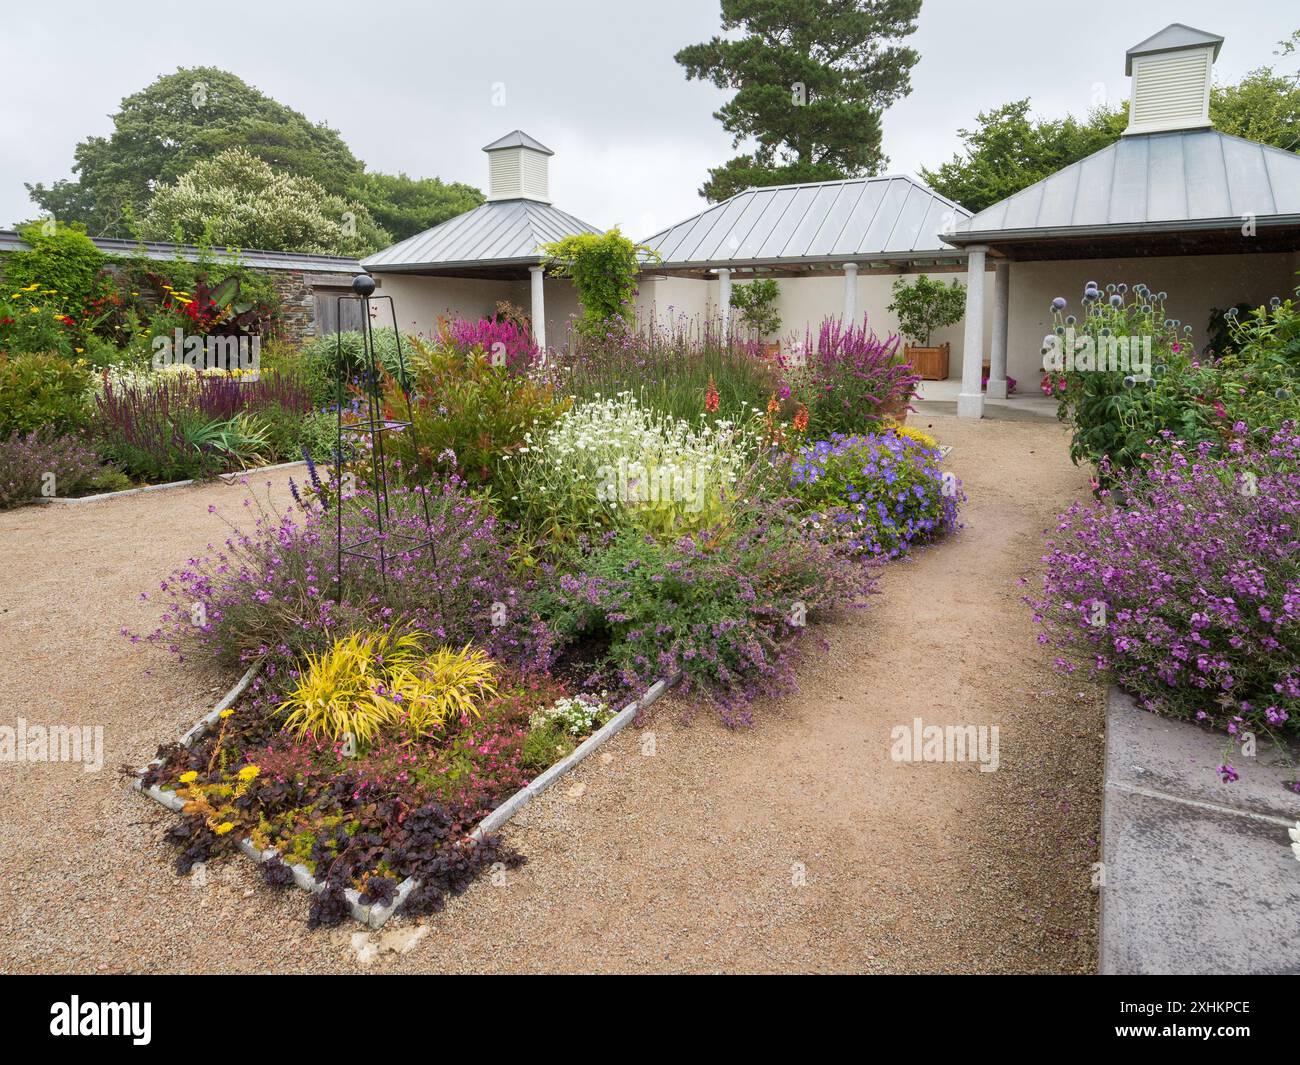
[(925, 305), (756, 302), (604, 269)]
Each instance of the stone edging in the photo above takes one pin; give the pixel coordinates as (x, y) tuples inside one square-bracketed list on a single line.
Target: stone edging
[(376, 915), (228, 478)]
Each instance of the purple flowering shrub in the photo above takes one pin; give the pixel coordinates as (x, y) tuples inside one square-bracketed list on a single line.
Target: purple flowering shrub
[(270, 591), (875, 494), (27, 459), (849, 379), (726, 606), (1190, 595)]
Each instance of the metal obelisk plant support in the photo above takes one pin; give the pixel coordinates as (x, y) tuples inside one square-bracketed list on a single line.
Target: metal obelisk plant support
[(376, 545)]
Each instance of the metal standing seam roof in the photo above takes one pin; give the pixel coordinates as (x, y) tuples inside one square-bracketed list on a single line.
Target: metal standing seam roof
[(1184, 179), (500, 232), (160, 251), (815, 222)]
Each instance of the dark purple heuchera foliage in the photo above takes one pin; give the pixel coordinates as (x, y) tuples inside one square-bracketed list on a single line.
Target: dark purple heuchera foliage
[(1189, 594), (430, 842), (270, 591)]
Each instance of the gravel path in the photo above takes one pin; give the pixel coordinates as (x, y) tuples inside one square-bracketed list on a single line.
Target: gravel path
[(681, 860)]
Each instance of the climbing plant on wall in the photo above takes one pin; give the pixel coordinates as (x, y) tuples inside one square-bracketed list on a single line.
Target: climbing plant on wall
[(603, 267)]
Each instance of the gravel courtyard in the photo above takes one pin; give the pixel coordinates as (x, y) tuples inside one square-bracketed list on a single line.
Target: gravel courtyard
[(797, 845)]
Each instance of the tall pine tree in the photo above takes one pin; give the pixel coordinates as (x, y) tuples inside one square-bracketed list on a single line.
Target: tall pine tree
[(813, 78)]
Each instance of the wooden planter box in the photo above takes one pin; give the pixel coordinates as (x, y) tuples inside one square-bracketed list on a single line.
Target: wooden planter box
[(930, 363)]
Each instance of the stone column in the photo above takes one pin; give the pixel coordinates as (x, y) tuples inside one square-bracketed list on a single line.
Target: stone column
[(970, 400), (539, 305), (997, 386), (850, 293)]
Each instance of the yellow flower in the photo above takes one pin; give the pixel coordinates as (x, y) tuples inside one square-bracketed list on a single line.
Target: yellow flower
[(249, 772), (190, 777), (226, 713), (32, 287), (223, 828)]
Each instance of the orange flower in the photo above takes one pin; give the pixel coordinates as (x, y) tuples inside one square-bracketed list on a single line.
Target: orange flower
[(711, 397), (772, 405), (801, 418)]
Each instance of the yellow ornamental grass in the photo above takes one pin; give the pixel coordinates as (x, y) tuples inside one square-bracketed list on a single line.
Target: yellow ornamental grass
[(343, 692), (446, 685), (371, 683)]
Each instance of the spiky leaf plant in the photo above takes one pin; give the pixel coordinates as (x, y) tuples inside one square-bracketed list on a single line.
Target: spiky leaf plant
[(371, 683), (346, 690)]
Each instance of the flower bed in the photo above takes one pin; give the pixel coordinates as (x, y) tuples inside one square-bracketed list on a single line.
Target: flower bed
[(574, 561), (1191, 593), (1180, 580), (374, 906)]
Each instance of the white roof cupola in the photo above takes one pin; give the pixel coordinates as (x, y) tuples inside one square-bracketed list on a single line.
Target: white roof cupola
[(1171, 74), (518, 168)]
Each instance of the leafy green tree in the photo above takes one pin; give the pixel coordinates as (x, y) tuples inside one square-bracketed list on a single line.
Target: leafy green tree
[(181, 119), (238, 200), (405, 206), (1264, 106), (1009, 151), (813, 78), (60, 262)]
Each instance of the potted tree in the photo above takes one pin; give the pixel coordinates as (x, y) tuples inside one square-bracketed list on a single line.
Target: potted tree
[(756, 304), (922, 307)]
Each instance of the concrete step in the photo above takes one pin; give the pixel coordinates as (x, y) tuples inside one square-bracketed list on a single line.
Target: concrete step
[(1198, 876)]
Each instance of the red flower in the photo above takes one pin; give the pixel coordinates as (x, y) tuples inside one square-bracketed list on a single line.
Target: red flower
[(711, 397)]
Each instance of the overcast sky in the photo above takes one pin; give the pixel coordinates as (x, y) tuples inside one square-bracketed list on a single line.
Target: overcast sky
[(410, 85)]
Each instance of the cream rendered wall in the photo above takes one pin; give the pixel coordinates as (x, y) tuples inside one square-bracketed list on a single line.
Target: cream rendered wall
[(1195, 284), (562, 307), (420, 300), (805, 301), (670, 298)]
